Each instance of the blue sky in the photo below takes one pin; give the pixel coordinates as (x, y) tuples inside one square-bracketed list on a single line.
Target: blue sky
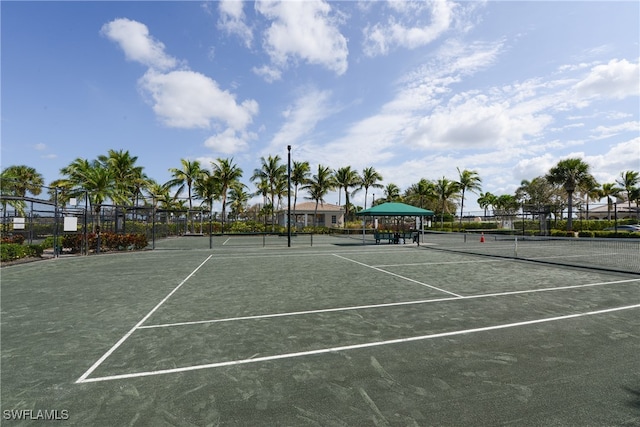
[(413, 89)]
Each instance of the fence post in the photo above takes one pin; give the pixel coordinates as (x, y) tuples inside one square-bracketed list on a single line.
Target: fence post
[(55, 223)]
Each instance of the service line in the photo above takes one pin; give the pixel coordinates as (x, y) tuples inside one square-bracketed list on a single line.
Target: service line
[(397, 275), (104, 357), (350, 347)]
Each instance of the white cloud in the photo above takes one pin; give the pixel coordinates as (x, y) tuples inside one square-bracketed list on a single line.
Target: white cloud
[(134, 39), (180, 98), (188, 99), (380, 38), (533, 167), (232, 20), (609, 131), (429, 84), (303, 30), (228, 142), (302, 117), (620, 157), (618, 79), (269, 74), (40, 147)]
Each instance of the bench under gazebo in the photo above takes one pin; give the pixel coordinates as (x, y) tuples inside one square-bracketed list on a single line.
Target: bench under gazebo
[(392, 209)]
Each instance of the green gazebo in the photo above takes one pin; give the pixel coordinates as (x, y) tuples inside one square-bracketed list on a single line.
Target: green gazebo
[(394, 209)]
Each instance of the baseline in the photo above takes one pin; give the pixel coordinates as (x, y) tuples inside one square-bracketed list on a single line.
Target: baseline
[(104, 357)]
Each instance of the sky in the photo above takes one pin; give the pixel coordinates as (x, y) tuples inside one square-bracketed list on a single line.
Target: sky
[(414, 89)]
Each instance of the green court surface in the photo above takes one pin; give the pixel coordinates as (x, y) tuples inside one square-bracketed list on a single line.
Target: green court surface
[(327, 332)]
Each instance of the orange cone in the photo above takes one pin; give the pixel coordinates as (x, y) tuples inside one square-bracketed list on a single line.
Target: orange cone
[(482, 238)]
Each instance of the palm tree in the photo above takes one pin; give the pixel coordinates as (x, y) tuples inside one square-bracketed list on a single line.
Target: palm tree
[(507, 205), (190, 172), (159, 194), (346, 178), (228, 175), (628, 181), (94, 178), (272, 172), (130, 180), (609, 190), (392, 193), (281, 189), (469, 180), (17, 181), (536, 195), (591, 192), (486, 200), (22, 179), (421, 192), (128, 177), (263, 190), (570, 174), (209, 188), (238, 199), (446, 191), (299, 176), (318, 187), (370, 178)]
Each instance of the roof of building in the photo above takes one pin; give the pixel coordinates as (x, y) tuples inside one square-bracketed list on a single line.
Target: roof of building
[(310, 207)]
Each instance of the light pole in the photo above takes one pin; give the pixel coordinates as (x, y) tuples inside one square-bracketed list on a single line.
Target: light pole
[(288, 196)]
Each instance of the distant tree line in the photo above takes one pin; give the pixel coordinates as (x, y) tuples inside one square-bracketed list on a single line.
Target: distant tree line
[(116, 178)]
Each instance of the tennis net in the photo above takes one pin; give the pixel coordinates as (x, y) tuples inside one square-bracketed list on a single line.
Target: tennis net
[(620, 255)]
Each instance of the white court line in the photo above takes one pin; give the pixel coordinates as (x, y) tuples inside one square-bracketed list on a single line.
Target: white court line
[(260, 254), (351, 347), (397, 275), (444, 263), (132, 330), (225, 242), (383, 305)]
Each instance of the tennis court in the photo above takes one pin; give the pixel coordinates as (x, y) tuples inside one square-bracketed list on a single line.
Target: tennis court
[(328, 332)]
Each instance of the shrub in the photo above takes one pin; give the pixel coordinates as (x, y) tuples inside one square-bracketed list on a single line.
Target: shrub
[(48, 242), (478, 226), (245, 227), (13, 251), (16, 238), (316, 230), (562, 233), (108, 241)]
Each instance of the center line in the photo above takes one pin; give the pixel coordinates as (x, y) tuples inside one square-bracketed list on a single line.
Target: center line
[(399, 276)]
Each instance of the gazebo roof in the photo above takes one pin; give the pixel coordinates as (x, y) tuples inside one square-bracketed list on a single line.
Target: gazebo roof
[(395, 209)]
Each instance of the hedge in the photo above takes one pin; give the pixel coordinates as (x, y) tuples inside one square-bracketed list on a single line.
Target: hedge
[(13, 251), (108, 241), (16, 238)]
